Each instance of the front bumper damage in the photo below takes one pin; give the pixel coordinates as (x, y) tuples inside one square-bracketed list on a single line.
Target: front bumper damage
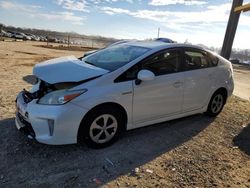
[(24, 126), (48, 124), (21, 120)]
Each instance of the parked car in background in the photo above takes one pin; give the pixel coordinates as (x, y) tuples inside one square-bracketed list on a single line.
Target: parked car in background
[(36, 38), (235, 61), (16, 35), (25, 37), (52, 39), (43, 38), (5, 34), (119, 88), (33, 37)]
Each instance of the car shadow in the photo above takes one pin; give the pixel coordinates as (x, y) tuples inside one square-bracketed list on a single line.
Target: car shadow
[(25, 162), (242, 140)]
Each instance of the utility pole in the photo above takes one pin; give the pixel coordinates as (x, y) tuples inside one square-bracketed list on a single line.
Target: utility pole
[(158, 36), (1, 34), (68, 41), (231, 29)]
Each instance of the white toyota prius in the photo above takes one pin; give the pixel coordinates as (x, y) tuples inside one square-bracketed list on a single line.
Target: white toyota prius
[(95, 98)]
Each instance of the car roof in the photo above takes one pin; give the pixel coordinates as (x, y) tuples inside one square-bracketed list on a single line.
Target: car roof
[(160, 45)]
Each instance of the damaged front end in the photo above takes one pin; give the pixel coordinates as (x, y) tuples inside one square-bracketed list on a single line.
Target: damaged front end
[(55, 83), (41, 88), (43, 93), (22, 117)]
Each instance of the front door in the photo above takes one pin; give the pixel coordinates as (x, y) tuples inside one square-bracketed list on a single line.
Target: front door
[(162, 96)]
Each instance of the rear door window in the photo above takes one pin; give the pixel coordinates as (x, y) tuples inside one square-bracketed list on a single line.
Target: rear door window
[(195, 60)]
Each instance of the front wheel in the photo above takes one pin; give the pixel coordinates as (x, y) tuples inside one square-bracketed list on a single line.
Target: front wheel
[(101, 127), (216, 104)]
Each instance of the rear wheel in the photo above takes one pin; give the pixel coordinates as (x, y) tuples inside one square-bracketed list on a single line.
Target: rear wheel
[(101, 127), (216, 104)]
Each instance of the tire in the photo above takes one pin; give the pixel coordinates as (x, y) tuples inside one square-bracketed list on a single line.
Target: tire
[(216, 104), (93, 130)]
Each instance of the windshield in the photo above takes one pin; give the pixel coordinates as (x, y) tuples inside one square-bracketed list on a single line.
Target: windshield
[(115, 57)]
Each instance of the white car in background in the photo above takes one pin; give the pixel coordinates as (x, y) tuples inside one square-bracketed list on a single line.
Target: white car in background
[(25, 37), (15, 35), (119, 88), (5, 34)]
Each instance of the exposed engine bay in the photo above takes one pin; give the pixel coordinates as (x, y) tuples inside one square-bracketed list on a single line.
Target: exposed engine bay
[(45, 88)]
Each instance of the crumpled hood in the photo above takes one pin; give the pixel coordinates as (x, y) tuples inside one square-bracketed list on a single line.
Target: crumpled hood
[(66, 69)]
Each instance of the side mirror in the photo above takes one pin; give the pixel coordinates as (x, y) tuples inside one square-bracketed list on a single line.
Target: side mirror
[(144, 75)]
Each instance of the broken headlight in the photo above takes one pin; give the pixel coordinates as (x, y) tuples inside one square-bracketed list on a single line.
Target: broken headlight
[(31, 79)]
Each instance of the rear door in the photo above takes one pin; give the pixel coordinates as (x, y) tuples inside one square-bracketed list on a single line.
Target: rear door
[(198, 78)]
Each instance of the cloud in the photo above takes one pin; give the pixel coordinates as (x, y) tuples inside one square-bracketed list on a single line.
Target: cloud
[(207, 26), (21, 7), (173, 2), (113, 11), (33, 10), (85, 5), (66, 16), (109, 1), (76, 5), (212, 15)]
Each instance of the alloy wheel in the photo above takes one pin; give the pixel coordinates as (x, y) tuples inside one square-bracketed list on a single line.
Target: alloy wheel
[(217, 103), (103, 128)]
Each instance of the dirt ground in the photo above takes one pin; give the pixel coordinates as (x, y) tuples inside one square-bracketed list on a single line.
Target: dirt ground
[(196, 151), (242, 81)]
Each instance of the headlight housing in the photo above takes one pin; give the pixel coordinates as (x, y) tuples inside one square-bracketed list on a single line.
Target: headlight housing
[(60, 97)]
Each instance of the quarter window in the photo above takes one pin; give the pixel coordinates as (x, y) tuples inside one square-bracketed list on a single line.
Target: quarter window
[(213, 60)]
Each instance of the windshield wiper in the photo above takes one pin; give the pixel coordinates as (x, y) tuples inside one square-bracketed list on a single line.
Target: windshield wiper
[(89, 63)]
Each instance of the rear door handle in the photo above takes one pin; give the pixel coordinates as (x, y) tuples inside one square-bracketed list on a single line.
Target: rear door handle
[(177, 84)]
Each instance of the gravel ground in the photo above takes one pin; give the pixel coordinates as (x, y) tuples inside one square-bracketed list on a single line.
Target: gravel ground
[(196, 151), (242, 84)]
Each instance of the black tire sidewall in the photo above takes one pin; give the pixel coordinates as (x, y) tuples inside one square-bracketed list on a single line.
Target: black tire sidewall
[(84, 136)]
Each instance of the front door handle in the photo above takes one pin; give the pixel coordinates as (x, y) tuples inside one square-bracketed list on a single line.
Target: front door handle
[(177, 84)]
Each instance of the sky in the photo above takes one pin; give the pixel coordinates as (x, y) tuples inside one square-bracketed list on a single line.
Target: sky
[(197, 21)]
